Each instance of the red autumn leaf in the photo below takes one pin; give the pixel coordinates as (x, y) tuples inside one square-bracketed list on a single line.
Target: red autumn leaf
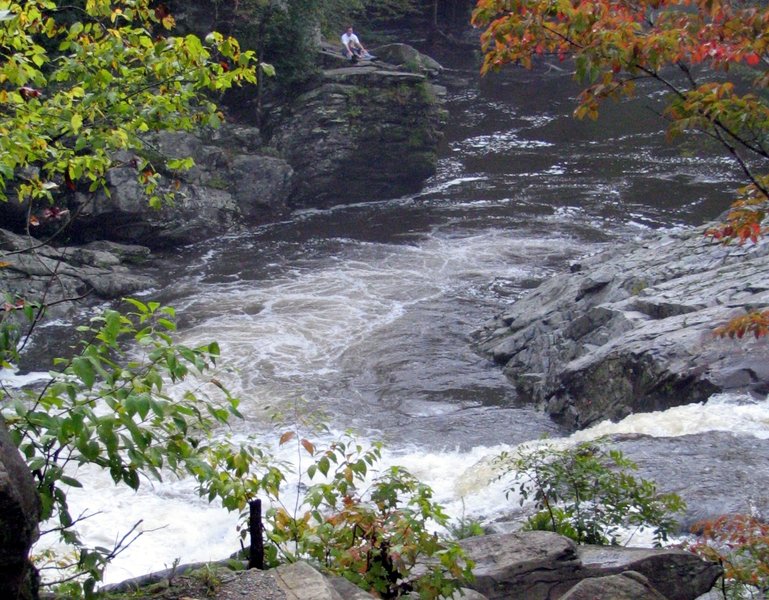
[(752, 59), (28, 92), (161, 12)]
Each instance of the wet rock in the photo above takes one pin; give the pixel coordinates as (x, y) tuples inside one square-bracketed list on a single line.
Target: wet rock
[(714, 472), (55, 275), (632, 329), (365, 133), (19, 517), (627, 586), (540, 565), (231, 184)]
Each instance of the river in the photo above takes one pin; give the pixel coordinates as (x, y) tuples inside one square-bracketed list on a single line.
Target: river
[(366, 312)]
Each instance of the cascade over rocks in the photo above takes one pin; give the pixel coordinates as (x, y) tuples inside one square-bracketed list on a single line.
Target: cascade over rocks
[(631, 329)]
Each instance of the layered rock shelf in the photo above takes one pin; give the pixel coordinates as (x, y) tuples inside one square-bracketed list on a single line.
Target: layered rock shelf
[(632, 329)]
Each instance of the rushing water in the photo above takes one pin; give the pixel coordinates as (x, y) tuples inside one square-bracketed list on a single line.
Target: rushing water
[(366, 311)]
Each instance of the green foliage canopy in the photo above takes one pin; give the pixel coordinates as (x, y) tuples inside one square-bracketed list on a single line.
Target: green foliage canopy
[(79, 83)]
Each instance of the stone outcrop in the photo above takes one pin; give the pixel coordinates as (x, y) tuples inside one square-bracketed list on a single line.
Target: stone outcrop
[(714, 472), (535, 565), (631, 329), (539, 565), (357, 133), (232, 184), (101, 270), (19, 516), (407, 57), (364, 133), (627, 586)]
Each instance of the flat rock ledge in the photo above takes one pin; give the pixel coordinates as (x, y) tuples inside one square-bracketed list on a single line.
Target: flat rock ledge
[(99, 270), (631, 329), (535, 565)]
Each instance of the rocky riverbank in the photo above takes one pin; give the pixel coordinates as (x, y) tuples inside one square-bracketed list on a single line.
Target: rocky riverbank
[(631, 329), (534, 565)]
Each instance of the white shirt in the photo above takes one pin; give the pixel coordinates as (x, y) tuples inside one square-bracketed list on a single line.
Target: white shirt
[(348, 38)]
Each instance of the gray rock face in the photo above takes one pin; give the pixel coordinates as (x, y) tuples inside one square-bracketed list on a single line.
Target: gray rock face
[(539, 565), (405, 56), (364, 134), (631, 330), (530, 565), (628, 586), (300, 580), (716, 472), (676, 574), (231, 184), (57, 274), (19, 517)]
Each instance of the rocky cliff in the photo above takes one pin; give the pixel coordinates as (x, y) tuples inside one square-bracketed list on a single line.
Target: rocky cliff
[(357, 133), (365, 133), (631, 329)]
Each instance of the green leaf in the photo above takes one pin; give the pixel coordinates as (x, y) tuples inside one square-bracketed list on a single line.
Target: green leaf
[(76, 122), (84, 370)]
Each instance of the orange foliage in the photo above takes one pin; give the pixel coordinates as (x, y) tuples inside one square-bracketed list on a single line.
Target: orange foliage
[(754, 323), (740, 543), (616, 43)]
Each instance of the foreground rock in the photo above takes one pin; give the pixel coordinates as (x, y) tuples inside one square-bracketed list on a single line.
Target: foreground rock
[(19, 515), (631, 330), (533, 565), (540, 565)]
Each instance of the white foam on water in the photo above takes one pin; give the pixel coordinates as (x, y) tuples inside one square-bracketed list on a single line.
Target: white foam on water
[(12, 378), (179, 524)]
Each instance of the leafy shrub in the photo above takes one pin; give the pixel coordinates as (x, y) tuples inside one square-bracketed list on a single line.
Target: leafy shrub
[(376, 533), (113, 405), (463, 527), (588, 494), (740, 544)]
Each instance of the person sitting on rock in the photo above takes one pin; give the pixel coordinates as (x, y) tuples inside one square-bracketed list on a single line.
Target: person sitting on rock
[(353, 49)]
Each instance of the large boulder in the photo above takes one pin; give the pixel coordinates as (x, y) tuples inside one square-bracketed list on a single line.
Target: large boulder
[(540, 565), (231, 184), (409, 58), (676, 574), (631, 329), (536, 565), (19, 517), (364, 133), (627, 586)]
